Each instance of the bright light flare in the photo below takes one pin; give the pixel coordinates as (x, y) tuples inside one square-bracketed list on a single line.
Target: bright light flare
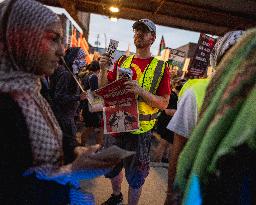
[(114, 19), (114, 9)]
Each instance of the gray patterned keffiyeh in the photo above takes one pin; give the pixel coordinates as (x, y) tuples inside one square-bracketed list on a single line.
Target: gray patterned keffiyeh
[(222, 45), (23, 23)]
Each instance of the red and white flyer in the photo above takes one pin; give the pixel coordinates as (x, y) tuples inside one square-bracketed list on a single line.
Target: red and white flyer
[(120, 110)]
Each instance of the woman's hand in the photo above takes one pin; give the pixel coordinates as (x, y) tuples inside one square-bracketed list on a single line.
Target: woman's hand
[(91, 163), (86, 160), (87, 150)]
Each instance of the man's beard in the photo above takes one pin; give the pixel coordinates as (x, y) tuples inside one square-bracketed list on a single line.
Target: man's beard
[(140, 43)]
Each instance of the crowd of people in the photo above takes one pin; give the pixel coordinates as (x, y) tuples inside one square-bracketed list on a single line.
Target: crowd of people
[(37, 133), (206, 126)]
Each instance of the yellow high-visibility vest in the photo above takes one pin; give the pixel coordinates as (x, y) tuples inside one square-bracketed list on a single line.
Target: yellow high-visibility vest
[(199, 88), (149, 80)]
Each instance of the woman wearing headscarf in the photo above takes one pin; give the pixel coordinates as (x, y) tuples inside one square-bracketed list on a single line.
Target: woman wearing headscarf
[(66, 96), (31, 139), (217, 164)]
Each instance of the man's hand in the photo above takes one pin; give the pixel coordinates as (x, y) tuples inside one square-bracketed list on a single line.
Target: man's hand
[(104, 64), (160, 102), (170, 112), (133, 87), (104, 61)]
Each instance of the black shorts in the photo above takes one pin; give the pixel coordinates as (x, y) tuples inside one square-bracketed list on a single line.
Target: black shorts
[(165, 133)]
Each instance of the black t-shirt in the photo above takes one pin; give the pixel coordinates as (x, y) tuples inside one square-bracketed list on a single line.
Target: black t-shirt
[(164, 119), (90, 82)]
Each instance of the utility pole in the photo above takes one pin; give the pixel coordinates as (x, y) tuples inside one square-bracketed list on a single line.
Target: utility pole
[(105, 36), (97, 43)]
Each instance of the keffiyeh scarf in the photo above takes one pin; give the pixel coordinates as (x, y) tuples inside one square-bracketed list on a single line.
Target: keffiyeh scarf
[(222, 45)]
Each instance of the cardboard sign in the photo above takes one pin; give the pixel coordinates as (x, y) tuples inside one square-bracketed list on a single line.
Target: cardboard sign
[(176, 58)]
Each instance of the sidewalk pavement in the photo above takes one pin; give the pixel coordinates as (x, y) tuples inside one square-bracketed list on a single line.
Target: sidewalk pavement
[(153, 192)]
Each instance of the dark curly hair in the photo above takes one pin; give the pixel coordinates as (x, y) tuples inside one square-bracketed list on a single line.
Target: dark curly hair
[(70, 55), (93, 66)]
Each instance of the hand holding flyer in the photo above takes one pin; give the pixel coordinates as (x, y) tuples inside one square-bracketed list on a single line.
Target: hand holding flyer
[(120, 113)]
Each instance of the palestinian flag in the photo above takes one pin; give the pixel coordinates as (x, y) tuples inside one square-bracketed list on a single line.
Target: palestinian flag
[(161, 46)]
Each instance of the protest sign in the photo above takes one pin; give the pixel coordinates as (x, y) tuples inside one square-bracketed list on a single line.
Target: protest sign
[(113, 44), (176, 58), (200, 61)]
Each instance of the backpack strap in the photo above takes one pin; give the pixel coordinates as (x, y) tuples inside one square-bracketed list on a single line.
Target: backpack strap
[(121, 60)]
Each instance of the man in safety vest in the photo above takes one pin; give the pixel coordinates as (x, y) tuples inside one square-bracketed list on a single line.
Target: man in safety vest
[(151, 83)]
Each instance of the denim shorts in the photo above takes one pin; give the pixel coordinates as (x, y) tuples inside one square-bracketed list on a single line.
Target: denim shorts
[(137, 166)]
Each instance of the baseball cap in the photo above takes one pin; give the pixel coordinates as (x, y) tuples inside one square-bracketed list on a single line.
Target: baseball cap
[(150, 24)]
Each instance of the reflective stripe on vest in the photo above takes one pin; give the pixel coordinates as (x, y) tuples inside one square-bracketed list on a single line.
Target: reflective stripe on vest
[(199, 89), (149, 80)]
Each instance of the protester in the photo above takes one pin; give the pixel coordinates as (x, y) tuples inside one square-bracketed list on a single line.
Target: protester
[(92, 120), (151, 82), (186, 117), (166, 136), (66, 96), (182, 124), (224, 171), (31, 44)]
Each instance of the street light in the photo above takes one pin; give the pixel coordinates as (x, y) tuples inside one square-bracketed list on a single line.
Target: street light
[(114, 19), (114, 9)]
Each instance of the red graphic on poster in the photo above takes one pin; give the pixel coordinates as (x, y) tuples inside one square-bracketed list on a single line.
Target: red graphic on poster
[(120, 108)]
